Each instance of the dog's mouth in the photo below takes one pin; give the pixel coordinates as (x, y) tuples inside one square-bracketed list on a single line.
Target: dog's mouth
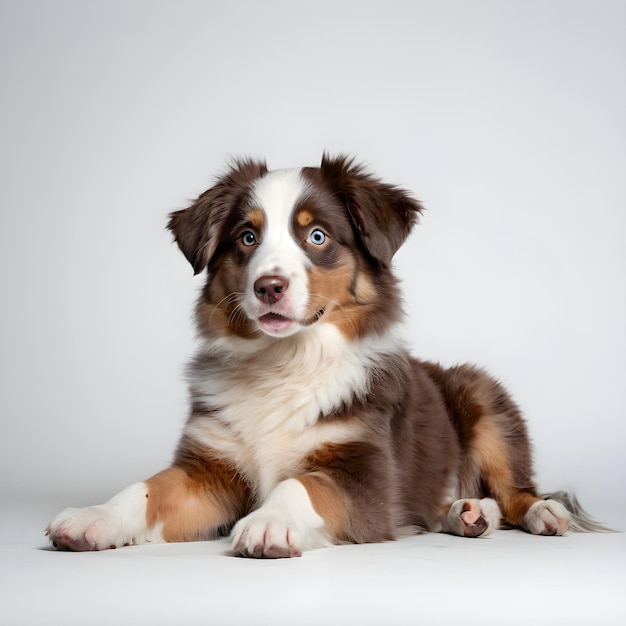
[(277, 324)]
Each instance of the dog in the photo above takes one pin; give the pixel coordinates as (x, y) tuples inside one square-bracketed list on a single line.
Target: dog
[(310, 424)]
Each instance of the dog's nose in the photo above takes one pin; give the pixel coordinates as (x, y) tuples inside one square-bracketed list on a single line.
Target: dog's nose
[(270, 289)]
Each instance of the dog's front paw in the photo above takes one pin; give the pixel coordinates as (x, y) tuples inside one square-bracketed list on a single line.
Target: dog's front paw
[(266, 534), (90, 528), (283, 527), (120, 521)]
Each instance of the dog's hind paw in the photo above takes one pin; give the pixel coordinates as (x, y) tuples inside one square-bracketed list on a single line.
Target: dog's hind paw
[(546, 517), (472, 518)]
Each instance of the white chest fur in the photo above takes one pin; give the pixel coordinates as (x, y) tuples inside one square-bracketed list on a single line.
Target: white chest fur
[(266, 397)]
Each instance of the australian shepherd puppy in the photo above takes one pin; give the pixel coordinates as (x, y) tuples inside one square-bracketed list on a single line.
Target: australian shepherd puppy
[(310, 423)]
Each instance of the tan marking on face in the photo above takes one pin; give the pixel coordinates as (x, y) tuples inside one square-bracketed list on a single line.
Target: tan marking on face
[(365, 290), (193, 503), (304, 217), (330, 289), (256, 217), (489, 451)]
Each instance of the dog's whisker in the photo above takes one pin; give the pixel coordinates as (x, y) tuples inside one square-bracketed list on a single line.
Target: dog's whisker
[(237, 317), (336, 304), (227, 301)]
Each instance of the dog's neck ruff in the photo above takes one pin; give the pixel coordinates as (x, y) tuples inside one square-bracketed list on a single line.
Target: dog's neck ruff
[(318, 370), (253, 397)]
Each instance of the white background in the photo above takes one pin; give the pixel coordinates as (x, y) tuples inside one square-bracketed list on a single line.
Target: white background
[(507, 119)]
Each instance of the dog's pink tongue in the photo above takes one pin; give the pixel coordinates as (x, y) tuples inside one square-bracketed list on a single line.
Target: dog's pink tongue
[(275, 322)]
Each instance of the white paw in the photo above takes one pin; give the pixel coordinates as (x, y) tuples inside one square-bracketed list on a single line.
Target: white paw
[(283, 527), (120, 521), (91, 528), (472, 517), (546, 517), (265, 534)]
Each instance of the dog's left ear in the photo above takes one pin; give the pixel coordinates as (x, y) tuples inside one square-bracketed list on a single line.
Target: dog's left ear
[(383, 215)]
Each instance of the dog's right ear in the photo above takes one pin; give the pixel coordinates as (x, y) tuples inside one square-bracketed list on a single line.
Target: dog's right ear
[(197, 229)]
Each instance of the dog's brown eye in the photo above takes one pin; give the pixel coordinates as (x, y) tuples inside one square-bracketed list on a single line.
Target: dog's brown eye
[(248, 238)]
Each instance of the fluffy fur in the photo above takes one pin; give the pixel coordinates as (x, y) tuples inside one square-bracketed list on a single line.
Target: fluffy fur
[(310, 423)]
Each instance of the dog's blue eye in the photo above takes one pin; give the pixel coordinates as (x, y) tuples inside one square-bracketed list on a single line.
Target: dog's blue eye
[(317, 237), (248, 238)]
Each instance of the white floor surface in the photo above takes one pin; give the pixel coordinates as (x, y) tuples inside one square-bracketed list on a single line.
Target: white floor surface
[(509, 578)]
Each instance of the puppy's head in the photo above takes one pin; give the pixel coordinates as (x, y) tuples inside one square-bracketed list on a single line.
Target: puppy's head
[(287, 250)]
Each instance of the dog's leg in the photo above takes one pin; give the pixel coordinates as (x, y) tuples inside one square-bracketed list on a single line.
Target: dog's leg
[(175, 505), (515, 494), (497, 460), (333, 503)]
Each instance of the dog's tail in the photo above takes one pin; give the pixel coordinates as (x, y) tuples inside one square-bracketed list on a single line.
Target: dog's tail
[(580, 520)]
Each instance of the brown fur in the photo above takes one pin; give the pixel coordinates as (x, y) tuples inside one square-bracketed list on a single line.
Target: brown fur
[(493, 437), (196, 497), (328, 501)]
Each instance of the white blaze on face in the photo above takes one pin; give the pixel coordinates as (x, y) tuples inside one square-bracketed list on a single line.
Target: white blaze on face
[(278, 255)]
